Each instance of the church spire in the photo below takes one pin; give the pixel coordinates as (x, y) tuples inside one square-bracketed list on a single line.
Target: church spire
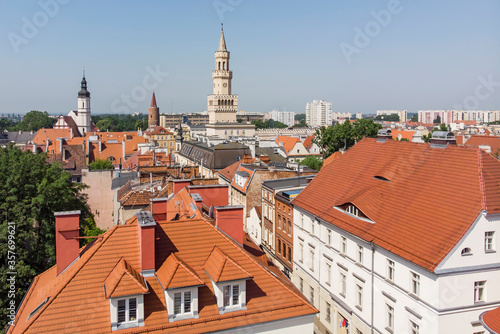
[(153, 100), (83, 91), (222, 42)]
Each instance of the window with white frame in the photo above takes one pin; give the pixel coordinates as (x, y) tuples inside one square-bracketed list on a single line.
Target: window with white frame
[(301, 252), (328, 272), (390, 317), (344, 244), (328, 313), (359, 296), (231, 295), (479, 291), (329, 237), (414, 328), (415, 283), (289, 227), (360, 254), (489, 241), (343, 283), (311, 295), (351, 209), (301, 284), (302, 220), (311, 255), (127, 310), (390, 270), (182, 302)]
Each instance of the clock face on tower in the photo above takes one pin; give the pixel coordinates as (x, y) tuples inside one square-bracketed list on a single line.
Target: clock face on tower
[(224, 85)]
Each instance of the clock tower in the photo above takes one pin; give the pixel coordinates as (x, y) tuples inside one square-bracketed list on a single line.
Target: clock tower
[(222, 105)]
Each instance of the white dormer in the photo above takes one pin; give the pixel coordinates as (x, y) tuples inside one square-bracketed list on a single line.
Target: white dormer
[(228, 281), (125, 289), (180, 284)]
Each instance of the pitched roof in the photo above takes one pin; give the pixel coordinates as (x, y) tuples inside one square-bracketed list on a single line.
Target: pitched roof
[(308, 142), (399, 134), (221, 268), (287, 142), (229, 172), (70, 293), (124, 280), (432, 198), (153, 100), (175, 273), (491, 320), (492, 141), (332, 157)]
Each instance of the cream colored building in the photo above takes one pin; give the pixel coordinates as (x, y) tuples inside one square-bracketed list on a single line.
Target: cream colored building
[(222, 104)]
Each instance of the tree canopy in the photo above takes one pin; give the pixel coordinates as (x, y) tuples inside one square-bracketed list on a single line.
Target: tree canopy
[(388, 118), (343, 136), (312, 162), (34, 121), (31, 190), (269, 124), (120, 122), (101, 164)]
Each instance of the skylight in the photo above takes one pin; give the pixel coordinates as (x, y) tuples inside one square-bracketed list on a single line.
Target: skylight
[(38, 308)]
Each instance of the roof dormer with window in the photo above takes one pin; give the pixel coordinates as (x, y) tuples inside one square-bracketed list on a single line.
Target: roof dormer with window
[(228, 281), (125, 288), (353, 211), (180, 284)]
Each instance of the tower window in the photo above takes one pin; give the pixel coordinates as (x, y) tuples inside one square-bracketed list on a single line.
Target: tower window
[(219, 65), (224, 65)]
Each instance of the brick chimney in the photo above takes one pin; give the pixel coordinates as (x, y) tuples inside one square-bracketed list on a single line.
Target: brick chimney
[(229, 219), (178, 185), (146, 235), (159, 208), (67, 232)]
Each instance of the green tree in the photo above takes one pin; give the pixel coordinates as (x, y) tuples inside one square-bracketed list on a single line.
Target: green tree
[(34, 121), (101, 164), (300, 117), (259, 124), (312, 162), (437, 120), (302, 124), (5, 123), (414, 118), (31, 190), (388, 118), (342, 136)]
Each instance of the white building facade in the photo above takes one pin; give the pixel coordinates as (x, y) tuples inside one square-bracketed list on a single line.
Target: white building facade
[(285, 117), (319, 113)]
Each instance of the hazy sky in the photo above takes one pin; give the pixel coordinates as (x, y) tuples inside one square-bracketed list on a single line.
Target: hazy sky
[(361, 55)]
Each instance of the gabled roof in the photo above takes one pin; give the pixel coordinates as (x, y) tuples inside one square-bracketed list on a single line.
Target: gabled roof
[(492, 141), (308, 143), (124, 280), (229, 172), (288, 143), (221, 268), (399, 134), (410, 220), (175, 273)]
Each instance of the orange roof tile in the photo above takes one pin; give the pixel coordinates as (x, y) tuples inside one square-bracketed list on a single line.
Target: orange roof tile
[(124, 280), (399, 134), (221, 268), (228, 172), (288, 143), (492, 141), (174, 273), (491, 320), (308, 142), (405, 217), (70, 293), (332, 157), (51, 135)]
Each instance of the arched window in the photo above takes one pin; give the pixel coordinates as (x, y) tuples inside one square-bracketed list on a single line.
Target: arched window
[(219, 66), (232, 102), (466, 251), (224, 65)]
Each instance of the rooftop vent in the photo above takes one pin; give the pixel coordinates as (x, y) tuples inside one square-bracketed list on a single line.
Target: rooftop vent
[(383, 135), (441, 139)]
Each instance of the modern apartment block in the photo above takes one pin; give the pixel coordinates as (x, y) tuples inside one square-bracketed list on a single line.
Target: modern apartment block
[(401, 113), (450, 116), (400, 237), (319, 113), (285, 117)]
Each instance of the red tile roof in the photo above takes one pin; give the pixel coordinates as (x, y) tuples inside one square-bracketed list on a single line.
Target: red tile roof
[(491, 320), (81, 285), (174, 273), (287, 142), (492, 141), (432, 198), (308, 142), (124, 280), (228, 172), (221, 268), (332, 157), (399, 134)]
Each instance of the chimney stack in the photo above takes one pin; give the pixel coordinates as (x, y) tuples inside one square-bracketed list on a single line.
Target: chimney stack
[(67, 232), (383, 135), (229, 219), (100, 146), (159, 208), (146, 233), (180, 184)]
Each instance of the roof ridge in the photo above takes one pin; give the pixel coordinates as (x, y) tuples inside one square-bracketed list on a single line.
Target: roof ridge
[(131, 274), (186, 267), (482, 188), (104, 238)]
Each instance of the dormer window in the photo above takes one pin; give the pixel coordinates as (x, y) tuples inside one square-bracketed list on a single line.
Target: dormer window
[(127, 311), (466, 251), (352, 210), (228, 281)]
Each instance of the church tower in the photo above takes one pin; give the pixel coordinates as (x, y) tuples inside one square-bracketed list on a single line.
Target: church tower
[(222, 105), (83, 117), (153, 114)]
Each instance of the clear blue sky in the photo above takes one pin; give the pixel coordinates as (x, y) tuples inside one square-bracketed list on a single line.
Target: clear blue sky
[(426, 55)]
